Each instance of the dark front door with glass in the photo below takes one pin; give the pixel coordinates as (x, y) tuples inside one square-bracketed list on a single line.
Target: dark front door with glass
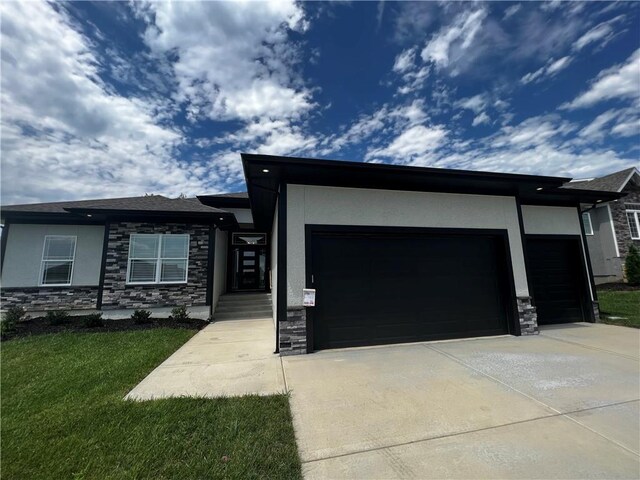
[(248, 262)]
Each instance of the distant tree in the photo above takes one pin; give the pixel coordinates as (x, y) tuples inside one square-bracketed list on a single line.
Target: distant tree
[(182, 195), (632, 266)]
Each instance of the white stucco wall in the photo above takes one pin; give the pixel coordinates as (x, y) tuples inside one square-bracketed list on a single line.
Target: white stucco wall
[(219, 267), (605, 258), (307, 204), (274, 266), (23, 253), (243, 215), (543, 220)]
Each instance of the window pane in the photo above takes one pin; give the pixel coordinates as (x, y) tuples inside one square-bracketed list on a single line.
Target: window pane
[(144, 246), (586, 222), (175, 246), (173, 271), (56, 273), (59, 248), (633, 225), (142, 271)]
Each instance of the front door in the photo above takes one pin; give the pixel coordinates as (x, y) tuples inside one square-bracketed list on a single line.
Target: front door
[(248, 262)]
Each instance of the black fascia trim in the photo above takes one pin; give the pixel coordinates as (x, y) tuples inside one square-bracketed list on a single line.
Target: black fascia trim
[(587, 306), (210, 266), (228, 202), (51, 218), (511, 310), (587, 258), (103, 264), (3, 243), (281, 303)]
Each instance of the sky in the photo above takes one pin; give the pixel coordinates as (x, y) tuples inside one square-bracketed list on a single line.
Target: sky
[(121, 99)]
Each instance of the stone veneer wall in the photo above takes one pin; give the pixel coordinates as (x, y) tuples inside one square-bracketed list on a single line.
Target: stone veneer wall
[(50, 298), (117, 294), (293, 332), (618, 213), (527, 316)]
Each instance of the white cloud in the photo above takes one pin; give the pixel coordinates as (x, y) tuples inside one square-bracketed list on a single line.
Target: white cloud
[(234, 60), (550, 69), (415, 141), (452, 40), (65, 134), (595, 130), (481, 119), (477, 103), (511, 11), (404, 61), (621, 81), (603, 33)]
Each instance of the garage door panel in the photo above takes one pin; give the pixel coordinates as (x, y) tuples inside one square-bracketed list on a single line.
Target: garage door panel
[(557, 277), (386, 288)]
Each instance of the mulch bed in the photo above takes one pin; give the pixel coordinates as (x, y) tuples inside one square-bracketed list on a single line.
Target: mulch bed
[(617, 287), (42, 326)]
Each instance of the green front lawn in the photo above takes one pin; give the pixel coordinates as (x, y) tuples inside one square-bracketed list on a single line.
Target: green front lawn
[(625, 304), (63, 415)]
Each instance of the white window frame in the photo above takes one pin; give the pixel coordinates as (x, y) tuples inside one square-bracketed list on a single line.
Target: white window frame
[(590, 231), (636, 216), (43, 261), (159, 258)]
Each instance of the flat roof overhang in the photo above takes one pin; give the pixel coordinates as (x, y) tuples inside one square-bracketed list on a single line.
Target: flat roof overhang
[(223, 202), (265, 173)]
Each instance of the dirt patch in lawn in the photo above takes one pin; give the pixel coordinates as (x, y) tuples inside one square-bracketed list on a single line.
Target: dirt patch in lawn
[(42, 326)]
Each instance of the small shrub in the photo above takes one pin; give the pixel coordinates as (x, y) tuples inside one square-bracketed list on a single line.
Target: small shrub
[(14, 315), (94, 320), (179, 313), (57, 317), (632, 265), (141, 316)]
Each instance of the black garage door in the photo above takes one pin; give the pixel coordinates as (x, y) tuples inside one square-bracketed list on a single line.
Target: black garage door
[(376, 288), (557, 274)]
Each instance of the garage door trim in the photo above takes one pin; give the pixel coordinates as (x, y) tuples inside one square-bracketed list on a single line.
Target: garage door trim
[(513, 323), (586, 284)]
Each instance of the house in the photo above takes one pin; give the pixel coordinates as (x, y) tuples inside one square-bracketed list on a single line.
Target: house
[(352, 253), (611, 227)]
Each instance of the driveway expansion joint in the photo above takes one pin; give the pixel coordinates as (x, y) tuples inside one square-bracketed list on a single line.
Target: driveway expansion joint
[(629, 357), (493, 427)]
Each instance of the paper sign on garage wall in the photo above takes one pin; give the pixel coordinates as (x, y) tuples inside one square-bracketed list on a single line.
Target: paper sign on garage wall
[(309, 297)]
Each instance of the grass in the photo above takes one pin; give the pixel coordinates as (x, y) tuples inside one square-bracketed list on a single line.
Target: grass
[(624, 304), (63, 415)]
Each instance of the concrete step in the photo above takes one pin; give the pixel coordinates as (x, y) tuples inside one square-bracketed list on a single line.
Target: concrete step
[(241, 315), (245, 298), (224, 307)]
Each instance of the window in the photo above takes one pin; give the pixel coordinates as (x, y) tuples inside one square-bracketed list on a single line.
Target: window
[(249, 239), (586, 222), (158, 258), (633, 217), (57, 260)]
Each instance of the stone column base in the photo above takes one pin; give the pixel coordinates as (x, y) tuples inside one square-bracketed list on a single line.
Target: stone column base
[(596, 311), (527, 316), (293, 332)]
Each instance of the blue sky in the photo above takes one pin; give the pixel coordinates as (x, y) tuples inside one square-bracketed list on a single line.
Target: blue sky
[(117, 99)]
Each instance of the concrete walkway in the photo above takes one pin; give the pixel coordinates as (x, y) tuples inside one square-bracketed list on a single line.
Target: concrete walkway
[(224, 359)]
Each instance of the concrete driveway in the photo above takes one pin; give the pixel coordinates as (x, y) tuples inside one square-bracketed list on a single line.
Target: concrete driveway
[(564, 404)]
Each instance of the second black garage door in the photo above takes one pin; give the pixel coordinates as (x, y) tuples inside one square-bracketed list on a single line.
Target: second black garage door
[(558, 279), (390, 287)]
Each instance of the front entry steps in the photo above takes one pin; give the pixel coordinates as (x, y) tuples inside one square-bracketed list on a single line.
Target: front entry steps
[(240, 306)]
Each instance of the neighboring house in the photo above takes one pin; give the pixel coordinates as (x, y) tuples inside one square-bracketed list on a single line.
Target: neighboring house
[(613, 226), (394, 254)]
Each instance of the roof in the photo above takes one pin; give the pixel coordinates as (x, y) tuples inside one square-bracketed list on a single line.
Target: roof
[(614, 182), (226, 200), (148, 205), (265, 173)]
